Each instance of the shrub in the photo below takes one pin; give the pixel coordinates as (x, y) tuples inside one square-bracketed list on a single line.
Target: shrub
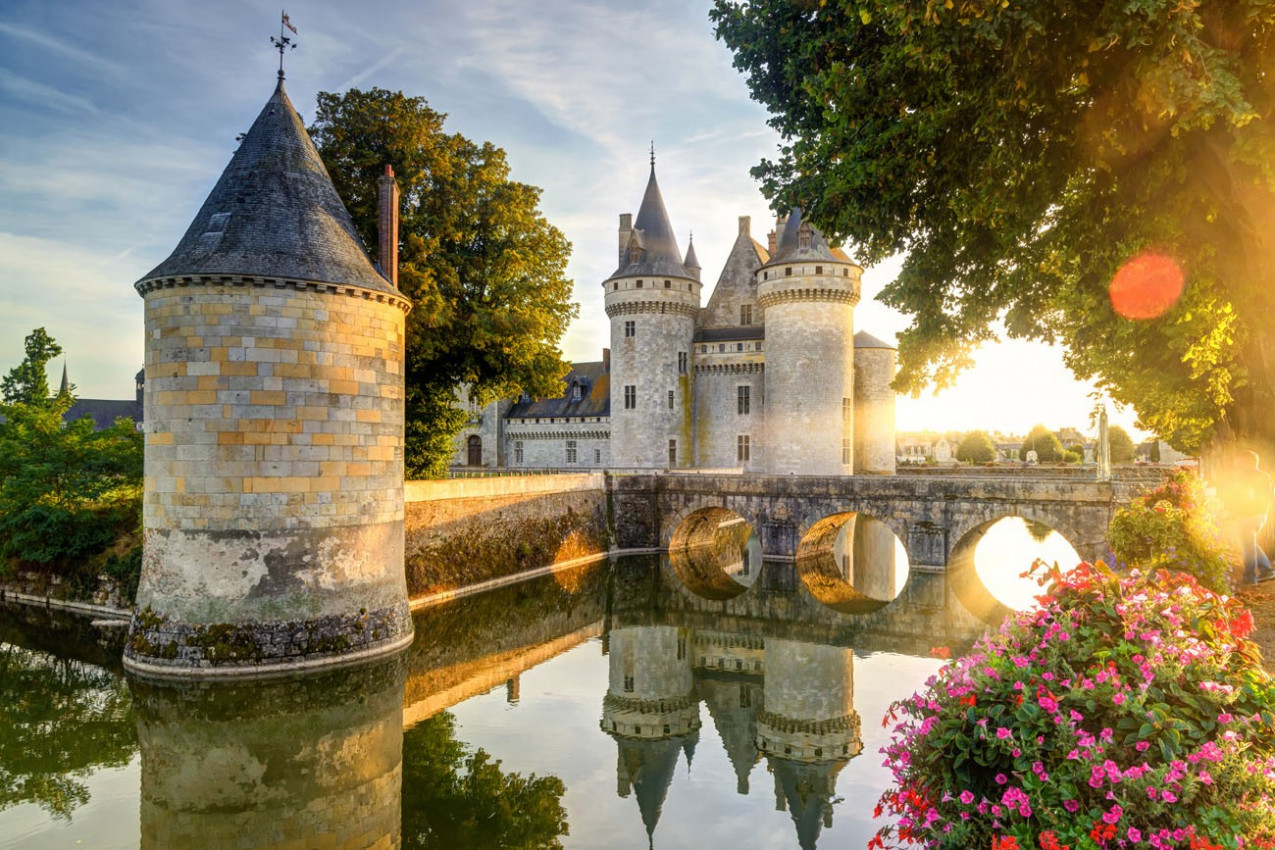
[(1173, 528), (1123, 712)]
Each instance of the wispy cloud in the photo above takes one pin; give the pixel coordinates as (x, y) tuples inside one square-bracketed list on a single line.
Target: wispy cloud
[(61, 48), (367, 72), (42, 95)]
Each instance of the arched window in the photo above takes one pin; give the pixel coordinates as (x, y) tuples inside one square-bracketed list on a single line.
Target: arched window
[(475, 450)]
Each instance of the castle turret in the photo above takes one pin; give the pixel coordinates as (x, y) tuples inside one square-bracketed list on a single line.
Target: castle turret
[(273, 507), (652, 299), (875, 363), (808, 292)]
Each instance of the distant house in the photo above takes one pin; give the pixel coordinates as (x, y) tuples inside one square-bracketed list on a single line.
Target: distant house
[(104, 411)]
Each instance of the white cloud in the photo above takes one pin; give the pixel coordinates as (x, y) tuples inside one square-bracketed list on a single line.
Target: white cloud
[(42, 95)]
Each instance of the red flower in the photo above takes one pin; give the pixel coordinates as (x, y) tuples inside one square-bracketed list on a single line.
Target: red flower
[(1009, 842), (940, 652)]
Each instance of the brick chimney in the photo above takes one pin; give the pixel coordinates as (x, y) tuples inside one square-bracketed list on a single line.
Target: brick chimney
[(606, 360), (387, 223), (745, 225), (626, 231)]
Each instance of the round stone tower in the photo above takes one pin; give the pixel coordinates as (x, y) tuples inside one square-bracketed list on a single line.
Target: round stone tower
[(808, 292), (652, 299), (875, 363), (273, 508)]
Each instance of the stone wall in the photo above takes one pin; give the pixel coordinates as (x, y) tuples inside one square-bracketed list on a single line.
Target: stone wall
[(463, 531)]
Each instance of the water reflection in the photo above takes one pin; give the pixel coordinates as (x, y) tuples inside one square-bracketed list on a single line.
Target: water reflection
[(716, 553), (853, 563), (61, 720), (992, 561), (313, 762)]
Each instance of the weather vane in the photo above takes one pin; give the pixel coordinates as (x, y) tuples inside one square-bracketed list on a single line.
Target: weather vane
[(283, 42), (652, 154)]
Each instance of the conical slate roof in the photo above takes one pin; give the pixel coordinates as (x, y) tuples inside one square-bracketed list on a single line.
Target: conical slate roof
[(691, 261), (863, 339), (660, 254), (790, 248), (274, 213)]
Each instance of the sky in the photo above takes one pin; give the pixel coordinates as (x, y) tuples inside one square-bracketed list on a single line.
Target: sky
[(117, 118)]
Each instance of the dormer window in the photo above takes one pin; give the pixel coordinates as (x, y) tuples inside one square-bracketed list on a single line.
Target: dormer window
[(577, 392), (524, 399), (804, 236), (635, 255)]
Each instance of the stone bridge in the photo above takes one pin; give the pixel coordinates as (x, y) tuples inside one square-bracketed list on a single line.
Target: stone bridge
[(939, 519)]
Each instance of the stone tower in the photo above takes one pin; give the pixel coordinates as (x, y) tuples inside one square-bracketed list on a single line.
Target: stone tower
[(875, 363), (808, 292), (273, 508), (652, 299)]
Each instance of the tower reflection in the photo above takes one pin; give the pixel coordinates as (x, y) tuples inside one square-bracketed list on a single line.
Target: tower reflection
[(310, 762)]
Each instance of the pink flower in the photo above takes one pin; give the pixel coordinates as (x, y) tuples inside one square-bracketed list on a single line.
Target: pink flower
[(967, 796), (1002, 733), (1071, 806), (1001, 779)]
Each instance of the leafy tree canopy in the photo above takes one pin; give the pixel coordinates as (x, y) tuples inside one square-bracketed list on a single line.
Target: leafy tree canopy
[(1044, 442), (1121, 444), (28, 382), (976, 447), (1022, 153), (485, 270)]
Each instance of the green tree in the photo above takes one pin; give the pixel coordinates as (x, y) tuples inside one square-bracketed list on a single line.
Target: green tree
[(976, 447), (1120, 443), (1020, 154), (66, 491), (485, 270), (1044, 442), (28, 382), (453, 798)]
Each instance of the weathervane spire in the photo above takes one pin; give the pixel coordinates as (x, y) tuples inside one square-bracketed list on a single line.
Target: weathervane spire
[(652, 154), (283, 42)]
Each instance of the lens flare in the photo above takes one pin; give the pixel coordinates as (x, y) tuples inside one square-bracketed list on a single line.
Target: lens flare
[(1146, 286)]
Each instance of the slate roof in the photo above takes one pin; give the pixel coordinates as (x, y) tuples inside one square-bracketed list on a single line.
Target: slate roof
[(595, 384), (788, 248), (691, 261), (660, 254), (863, 339), (104, 411), (274, 213), (730, 333)]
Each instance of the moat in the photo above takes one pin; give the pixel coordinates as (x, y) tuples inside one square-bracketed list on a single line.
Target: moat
[(608, 705)]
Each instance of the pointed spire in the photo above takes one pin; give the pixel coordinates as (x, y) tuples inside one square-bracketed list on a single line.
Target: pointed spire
[(659, 255), (691, 261), (65, 388), (274, 213)]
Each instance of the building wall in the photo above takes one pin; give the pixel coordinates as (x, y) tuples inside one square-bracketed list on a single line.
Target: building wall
[(546, 444), (274, 463), (874, 410), (718, 422)]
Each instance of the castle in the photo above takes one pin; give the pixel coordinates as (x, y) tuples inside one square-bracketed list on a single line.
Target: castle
[(768, 377)]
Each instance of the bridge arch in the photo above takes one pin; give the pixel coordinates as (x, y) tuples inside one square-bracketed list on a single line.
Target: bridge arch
[(715, 552), (852, 562), (1007, 591), (676, 533)]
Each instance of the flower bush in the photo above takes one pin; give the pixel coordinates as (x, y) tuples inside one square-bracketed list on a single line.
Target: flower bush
[(1173, 527), (1125, 711)]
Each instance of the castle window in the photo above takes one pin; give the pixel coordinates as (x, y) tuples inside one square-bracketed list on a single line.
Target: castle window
[(703, 349), (518, 452), (745, 314), (845, 450), (630, 329), (765, 275), (577, 392), (682, 362), (721, 346), (756, 346), (745, 697), (628, 684), (670, 399), (672, 452), (739, 346), (630, 397), (845, 272), (597, 457), (787, 273), (818, 269), (742, 448), (571, 451), (804, 235), (639, 284), (635, 254), (524, 398), (668, 284), (847, 411), (743, 400), (615, 287)]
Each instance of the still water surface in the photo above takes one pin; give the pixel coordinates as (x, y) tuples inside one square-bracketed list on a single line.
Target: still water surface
[(608, 706)]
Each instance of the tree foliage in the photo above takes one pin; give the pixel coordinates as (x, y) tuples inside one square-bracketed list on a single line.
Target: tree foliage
[(1121, 444), (1044, 443), (976, 447), (485, 270), (66, 491), (454, 798), (1020, 154)]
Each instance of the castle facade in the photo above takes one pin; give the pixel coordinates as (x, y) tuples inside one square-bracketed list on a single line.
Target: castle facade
[(769, 376)]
